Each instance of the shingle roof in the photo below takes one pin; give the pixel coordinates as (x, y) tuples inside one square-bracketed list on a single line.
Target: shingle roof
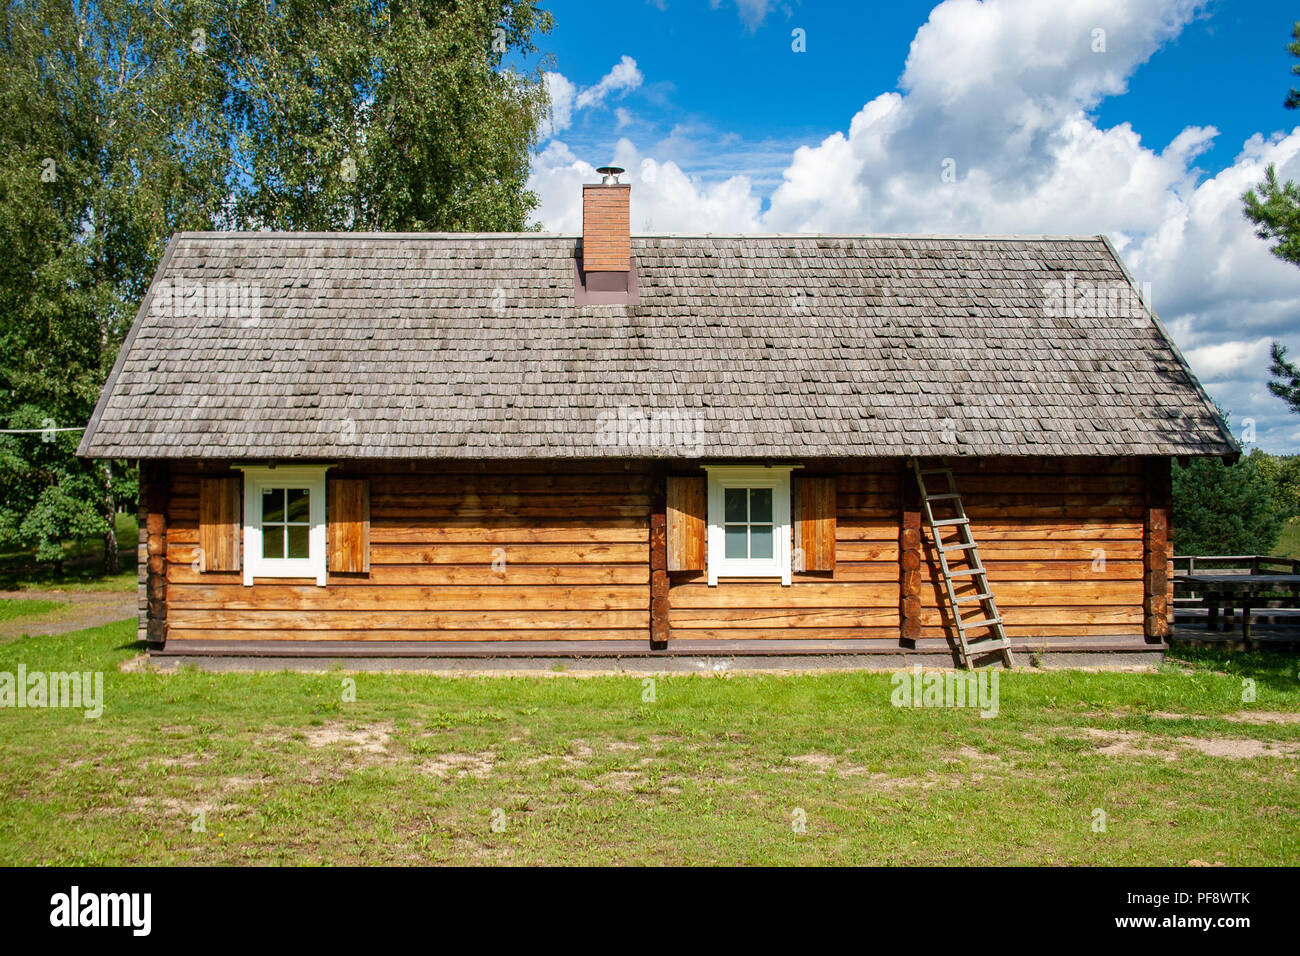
[(266, 345)]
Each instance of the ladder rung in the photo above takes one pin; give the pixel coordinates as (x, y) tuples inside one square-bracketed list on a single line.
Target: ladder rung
[(943, 496), (989, 622), (966, 573), (969, 546), (987, 644), (974, 597), (948, 522), (936, 471)]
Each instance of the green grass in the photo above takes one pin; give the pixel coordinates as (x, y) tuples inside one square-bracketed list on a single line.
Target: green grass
[(577, 770), (83, 563), (12, 609), (1288, 545)]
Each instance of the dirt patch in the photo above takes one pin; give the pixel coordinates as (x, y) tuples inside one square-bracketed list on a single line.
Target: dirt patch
[(970, 753), (820, 762), (81, 609), (373, 739), (825, 763), (171, 807), (1129, 743), (458, 766), (1240, 748), (1263, 717)]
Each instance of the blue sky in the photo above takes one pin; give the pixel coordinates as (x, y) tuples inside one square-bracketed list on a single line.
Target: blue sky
[(709, 67), (1149, 138)]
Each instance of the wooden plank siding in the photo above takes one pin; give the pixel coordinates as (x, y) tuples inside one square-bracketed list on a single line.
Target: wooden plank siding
[(1039, 524), (514, 554), (858, 599), (1062, 541), (580, 552)]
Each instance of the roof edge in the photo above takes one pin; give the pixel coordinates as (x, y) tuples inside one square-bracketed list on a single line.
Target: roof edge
[(1234, 446), (454, 236), (110, 383)]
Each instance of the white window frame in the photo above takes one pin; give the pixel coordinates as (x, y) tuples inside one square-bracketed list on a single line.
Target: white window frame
[(258, 478), (776, 477)]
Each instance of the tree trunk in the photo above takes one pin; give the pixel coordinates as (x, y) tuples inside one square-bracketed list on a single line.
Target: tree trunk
[(109, 512)]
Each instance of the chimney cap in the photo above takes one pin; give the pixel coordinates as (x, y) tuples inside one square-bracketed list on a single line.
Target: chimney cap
[(611, 174)]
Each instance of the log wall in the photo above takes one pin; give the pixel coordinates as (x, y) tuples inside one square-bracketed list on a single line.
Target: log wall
[(546, 554), (543, 552)]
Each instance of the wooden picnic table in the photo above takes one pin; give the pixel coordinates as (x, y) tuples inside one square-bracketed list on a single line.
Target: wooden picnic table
[(1237, 590)]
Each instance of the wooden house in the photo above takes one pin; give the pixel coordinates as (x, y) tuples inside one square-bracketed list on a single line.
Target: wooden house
[(538, 444)]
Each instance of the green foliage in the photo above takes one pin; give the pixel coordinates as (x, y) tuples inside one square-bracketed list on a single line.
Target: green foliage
[(124, 121), (1286, 378), (1274, 207), (380, 116), (1232, 509), (1292, 101)]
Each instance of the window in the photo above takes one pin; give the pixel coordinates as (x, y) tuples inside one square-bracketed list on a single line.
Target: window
[(284, 522), (749, 521)]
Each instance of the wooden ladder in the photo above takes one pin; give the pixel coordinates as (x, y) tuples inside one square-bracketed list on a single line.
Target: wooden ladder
[(995, 640)]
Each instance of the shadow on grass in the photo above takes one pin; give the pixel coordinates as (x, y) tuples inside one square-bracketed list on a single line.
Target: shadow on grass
[(1277, 670), (87, 572)]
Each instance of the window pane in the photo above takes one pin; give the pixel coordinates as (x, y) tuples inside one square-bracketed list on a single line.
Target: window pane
[(760, 505), (760, 541), (273, 505), (298, 504), (298, 547), (736, 546), (734, 504), (273, 541)]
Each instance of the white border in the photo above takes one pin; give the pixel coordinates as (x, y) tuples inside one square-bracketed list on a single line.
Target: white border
[(776, 477), (259, 477)]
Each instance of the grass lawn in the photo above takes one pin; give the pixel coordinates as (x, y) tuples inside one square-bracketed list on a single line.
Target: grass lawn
[(83, 563), (1288, 544), (16, 609), (420, 768)]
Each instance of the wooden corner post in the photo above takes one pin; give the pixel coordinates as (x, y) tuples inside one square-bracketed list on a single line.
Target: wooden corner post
[(1157, 549), (909, 558), (151, 553), (659, 629)]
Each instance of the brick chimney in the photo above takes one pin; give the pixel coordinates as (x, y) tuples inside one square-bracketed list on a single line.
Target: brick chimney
[(607, 273)]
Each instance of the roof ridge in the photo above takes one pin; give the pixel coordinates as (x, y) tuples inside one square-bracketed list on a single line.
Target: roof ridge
[(453, 236)]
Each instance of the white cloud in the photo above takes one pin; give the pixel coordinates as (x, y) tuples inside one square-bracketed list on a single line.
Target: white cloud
[(1228, 358), (1003, 90), (562, 92), (664, 197), (566, 98), (623, 77)]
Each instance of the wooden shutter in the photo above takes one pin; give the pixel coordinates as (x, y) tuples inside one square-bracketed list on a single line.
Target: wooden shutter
[(220, 533), (688, 523), (348, 525), (814, 522)]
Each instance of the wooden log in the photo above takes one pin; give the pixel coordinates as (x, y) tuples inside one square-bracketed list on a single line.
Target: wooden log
[(909, 559), (1156, 550), (423, 620), (660, 628), (153, 496), (368, 597)]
